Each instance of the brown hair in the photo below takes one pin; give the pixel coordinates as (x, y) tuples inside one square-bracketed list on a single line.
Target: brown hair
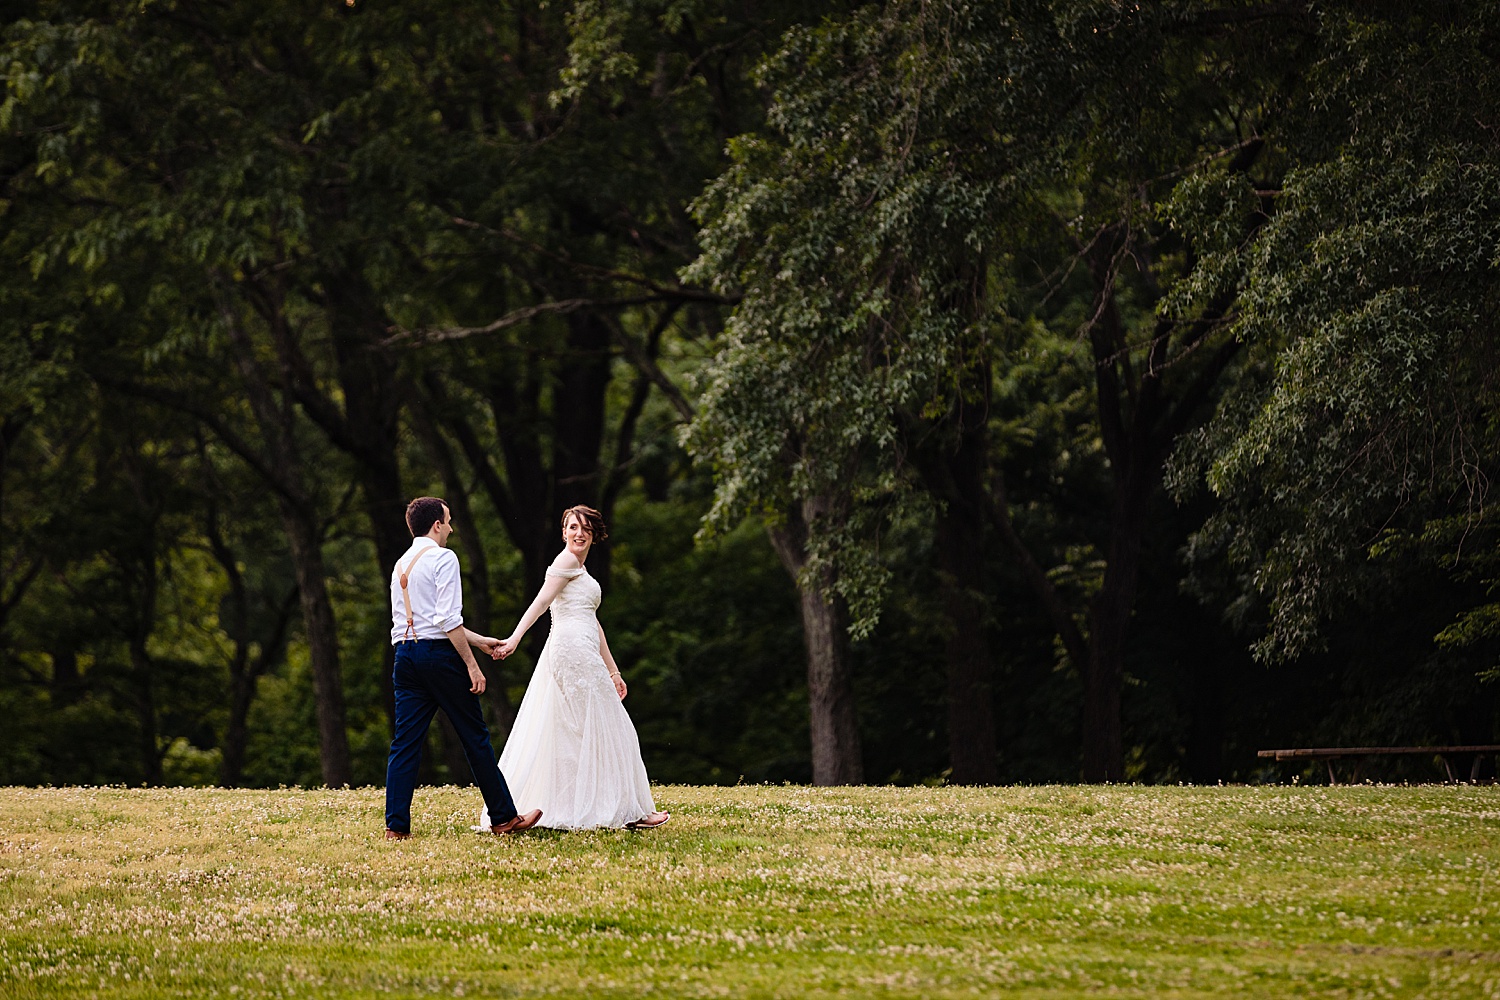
[(590, 517), (422, 513)]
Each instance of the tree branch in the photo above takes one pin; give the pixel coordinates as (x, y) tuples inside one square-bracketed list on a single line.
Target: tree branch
[(1211, 19), (681, 292), (301, 380), (645, 361), (1107, 339), (514, 318), (183, 404), (474, 452), (18, 591), (997, 508), (640, 392), (1197, 392)]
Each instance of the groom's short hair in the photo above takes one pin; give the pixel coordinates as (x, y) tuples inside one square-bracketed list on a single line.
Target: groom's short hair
[(422, 513)]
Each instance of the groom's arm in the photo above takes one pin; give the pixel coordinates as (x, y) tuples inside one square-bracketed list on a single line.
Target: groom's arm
[(484, 642), (460, 639), (450, 614)]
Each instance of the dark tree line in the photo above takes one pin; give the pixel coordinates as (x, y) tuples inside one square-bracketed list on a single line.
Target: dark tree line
[(1026, 365)]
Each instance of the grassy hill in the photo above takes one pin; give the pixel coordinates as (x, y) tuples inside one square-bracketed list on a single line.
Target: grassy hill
[(758, 891)]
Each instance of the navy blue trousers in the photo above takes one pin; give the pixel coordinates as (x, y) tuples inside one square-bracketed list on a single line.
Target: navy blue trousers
[(429, 675)]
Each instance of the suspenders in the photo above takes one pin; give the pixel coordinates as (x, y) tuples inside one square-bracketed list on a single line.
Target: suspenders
[(411, 622)]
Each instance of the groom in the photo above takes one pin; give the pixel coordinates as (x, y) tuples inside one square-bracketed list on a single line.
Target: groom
[(435, 669)]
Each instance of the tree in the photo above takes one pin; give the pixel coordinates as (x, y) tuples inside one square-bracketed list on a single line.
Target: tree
[(925, 161), (1364, 437)]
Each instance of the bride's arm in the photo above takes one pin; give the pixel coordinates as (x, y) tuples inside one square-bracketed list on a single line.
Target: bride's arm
[(609, 661), (551, 586)]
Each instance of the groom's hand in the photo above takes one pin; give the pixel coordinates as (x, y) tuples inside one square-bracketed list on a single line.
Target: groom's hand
[(462, 639)]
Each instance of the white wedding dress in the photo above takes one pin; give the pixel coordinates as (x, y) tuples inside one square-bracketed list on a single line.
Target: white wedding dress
[(573, 752)]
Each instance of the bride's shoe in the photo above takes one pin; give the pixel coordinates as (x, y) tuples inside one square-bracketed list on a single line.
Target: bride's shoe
[(516, 824), (651, 822)]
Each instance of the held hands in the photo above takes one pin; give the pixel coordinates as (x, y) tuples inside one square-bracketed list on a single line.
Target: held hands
[(504, 647)]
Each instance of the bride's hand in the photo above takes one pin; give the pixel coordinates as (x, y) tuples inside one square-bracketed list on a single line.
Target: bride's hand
[(619, 685), (504, 648)]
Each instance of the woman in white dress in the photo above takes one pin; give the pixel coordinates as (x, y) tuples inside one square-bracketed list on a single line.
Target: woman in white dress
[(573, 752)]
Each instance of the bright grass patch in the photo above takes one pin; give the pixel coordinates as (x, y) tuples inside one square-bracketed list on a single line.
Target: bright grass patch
[(758, 891)]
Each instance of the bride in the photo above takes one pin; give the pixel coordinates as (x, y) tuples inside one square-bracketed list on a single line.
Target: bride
[(573, 752)]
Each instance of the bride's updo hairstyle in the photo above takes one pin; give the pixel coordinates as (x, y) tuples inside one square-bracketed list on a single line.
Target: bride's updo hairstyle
[(590, 517)]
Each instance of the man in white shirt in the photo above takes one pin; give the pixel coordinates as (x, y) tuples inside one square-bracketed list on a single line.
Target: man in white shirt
[(435, 668)]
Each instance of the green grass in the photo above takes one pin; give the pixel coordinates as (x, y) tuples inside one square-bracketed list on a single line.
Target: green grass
[(758, 891)]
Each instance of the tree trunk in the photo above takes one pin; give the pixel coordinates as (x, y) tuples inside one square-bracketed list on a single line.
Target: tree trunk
[(1205, 743), (372, 401), (523, 499), (11, 593), (145, 706), (836, 754), (955, 474), (578, 410), (971, 697), (245, 671), (322, 643), (1103, 681), (235, 618), (66, 684), (236, 730), (1109, 626), (1129, 404), (142, 581), (143, 669)]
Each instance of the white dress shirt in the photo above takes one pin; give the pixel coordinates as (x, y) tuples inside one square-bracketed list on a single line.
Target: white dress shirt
[(437, 594)]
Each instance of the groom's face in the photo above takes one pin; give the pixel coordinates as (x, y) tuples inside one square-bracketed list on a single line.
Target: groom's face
[(444, 528)]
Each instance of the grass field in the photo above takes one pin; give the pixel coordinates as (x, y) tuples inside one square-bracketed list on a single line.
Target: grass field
[(758, 891)]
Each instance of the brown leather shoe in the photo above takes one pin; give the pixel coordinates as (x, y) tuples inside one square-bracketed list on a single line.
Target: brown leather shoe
[(518, 823), (396, 835)]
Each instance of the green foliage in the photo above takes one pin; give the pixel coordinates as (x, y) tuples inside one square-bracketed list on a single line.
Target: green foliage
[(1369, 303), (849, 234), (398, 209)]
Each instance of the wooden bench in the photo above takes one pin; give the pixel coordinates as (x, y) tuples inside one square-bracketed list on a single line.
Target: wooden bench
[(1330, 754)]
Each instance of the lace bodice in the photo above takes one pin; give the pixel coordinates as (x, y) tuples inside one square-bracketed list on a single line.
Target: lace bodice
[(574, 636), (576, 603)]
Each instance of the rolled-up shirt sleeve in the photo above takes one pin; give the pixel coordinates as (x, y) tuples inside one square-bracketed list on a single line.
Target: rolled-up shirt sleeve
[(448, 613)]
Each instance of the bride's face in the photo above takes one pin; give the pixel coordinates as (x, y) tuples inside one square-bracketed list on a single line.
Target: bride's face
[(577, 536)]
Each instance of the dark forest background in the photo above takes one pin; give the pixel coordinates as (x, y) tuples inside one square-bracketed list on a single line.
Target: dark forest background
[(1033, 391)]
